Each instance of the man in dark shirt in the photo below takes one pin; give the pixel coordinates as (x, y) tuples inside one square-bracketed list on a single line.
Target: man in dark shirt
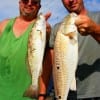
[(88, 70)]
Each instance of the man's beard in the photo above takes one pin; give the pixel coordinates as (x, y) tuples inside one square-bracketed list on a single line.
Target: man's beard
[(27, 14)]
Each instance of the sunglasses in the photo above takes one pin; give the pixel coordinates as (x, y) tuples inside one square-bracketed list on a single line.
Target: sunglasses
[(33, 2)]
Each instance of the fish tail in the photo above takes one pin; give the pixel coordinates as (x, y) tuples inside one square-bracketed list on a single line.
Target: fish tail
[(31, 92), (73, 85)]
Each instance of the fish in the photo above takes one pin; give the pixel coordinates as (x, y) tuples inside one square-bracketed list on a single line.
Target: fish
[(65, 57), (36, 49)]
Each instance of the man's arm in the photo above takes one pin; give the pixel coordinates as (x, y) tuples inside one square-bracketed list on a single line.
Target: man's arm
[(45, 77), (47, 65), (87, 26), (96, 33)]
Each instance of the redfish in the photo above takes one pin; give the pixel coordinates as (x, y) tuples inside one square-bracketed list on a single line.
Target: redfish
[(36, 49), (65, 57)]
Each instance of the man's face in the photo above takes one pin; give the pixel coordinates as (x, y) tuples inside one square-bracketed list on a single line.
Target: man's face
[(73, 5), (29, 8)]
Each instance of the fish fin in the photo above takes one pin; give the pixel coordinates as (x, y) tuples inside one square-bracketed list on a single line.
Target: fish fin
[(73, 84), (40, 73), (71, 35), (31, 92)]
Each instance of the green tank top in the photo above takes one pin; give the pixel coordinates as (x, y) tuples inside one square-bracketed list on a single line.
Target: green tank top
[(14, 75)]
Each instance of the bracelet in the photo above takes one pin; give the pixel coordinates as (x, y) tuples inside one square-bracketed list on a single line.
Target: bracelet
[(42, 95)]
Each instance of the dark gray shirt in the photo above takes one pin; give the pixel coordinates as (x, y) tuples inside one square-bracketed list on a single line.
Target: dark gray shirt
[(88, 71)]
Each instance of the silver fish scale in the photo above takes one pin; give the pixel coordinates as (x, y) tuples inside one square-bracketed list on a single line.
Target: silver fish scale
[(36, 48), (65, 57)]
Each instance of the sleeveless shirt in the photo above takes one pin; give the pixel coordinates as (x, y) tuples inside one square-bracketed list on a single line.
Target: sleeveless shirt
[(14, 75)]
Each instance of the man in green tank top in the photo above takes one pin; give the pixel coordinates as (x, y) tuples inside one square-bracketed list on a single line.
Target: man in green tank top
[(14, 74)]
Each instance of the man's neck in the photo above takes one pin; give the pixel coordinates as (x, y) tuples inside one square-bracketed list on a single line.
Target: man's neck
[(83, 12)]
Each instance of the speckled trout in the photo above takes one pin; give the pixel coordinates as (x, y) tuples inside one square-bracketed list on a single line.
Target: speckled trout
[(36, 48), (65, 57)]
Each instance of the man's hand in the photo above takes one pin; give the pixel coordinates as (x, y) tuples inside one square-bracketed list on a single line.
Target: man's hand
[(85, 25), (48, 26)]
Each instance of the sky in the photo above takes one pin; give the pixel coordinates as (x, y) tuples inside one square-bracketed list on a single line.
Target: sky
[(10, 8)]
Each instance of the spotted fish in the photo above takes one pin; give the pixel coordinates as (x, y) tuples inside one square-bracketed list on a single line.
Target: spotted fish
[(36, 48), (65, 57)]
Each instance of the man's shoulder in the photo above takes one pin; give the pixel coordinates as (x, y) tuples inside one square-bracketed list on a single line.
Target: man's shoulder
[(3, 23), (57, 24), (95, 15)]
